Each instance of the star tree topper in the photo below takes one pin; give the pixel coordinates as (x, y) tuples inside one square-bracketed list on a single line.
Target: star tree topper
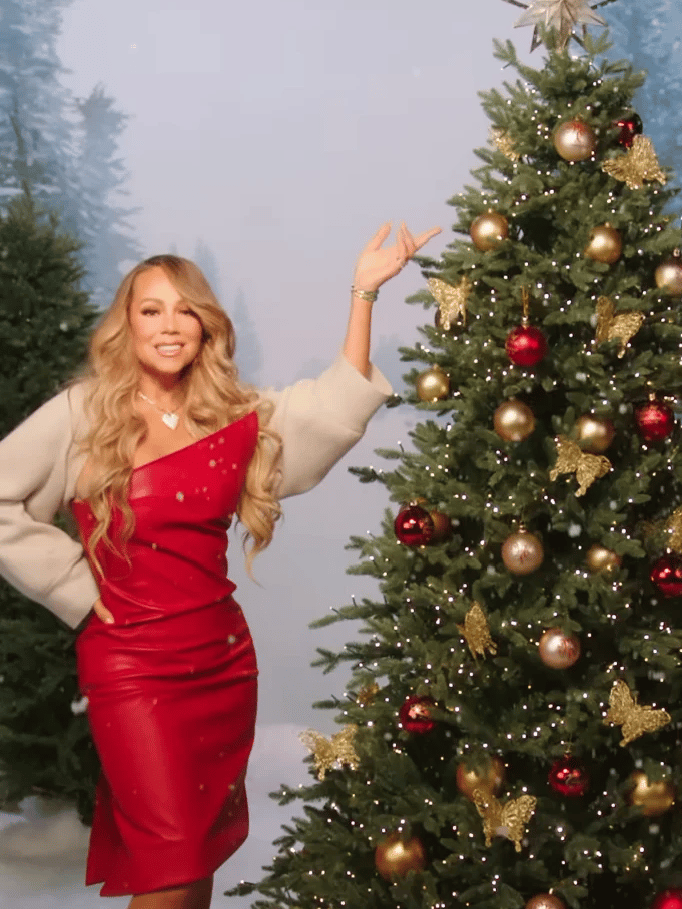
[(563, 15)]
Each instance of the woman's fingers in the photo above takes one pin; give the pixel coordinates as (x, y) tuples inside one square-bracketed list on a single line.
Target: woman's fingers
[(424, 238), (379, 237), (102, 612)]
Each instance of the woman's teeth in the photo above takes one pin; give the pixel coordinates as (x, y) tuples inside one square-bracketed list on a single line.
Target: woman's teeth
[(169, 350)]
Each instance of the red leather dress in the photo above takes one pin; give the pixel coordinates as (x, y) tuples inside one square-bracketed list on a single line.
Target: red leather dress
[(171, 686)]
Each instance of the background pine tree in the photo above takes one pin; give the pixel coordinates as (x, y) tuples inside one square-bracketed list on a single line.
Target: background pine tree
[(61, 151), (45, 747), (506, 709)]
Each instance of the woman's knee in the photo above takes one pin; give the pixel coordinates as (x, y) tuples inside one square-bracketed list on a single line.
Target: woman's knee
[(195, 895)]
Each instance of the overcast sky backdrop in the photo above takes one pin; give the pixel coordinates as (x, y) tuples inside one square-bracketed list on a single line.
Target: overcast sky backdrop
[(281, 136)]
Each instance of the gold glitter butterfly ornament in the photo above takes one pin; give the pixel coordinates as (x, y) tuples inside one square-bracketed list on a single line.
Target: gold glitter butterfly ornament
[(612, 325), (507, 819), (640, 163), (626, 712), (328, 752), (476, 632), (572, 459), (452, 301)]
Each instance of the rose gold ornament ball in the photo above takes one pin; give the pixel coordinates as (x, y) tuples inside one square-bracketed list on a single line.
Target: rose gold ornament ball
[(522, 553), (545, 901), (559, 649), (575, 140)]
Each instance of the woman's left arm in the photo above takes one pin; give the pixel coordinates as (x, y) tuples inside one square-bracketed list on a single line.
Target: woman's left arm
[(319, 420), (374, 267)]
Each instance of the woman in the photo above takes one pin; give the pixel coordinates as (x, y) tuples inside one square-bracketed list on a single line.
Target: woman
[(155, 450)]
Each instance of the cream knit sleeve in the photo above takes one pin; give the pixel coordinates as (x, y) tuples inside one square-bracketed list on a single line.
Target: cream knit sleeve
[(39, 559), (321, 419)]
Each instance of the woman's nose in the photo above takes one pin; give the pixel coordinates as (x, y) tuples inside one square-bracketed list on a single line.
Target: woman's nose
[(169, 322)]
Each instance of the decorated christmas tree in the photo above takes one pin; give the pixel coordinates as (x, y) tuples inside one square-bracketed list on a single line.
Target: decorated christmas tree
[(511, 728), (45, 744)]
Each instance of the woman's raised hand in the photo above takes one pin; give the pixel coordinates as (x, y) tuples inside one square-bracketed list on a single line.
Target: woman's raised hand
[(102, 611), (378, 263)]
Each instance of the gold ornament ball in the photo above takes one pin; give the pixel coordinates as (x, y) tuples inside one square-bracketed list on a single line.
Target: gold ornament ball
[(575, 140), (433, 385), (522, 553), (558, 649), (669, 277), (394, 857), (601, 559), (442, 526), (545, 901), (513, 421), (654, 798), (595, 434), (488, 230), (606, 244), (489, 778)]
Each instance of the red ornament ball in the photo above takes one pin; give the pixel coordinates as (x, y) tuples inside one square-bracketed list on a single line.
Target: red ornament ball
[(668, 899), (569, 777), (526, 345), (629, 127), (666, 575), (655, 421), (415, 715), (414, 526)]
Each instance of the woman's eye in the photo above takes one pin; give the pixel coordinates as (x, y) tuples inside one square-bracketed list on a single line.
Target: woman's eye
[(148, 312)]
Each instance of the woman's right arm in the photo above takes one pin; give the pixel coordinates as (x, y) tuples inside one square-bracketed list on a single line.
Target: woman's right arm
[(40, 560)]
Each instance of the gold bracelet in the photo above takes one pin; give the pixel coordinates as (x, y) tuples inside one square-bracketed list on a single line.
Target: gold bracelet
[(369, 295)]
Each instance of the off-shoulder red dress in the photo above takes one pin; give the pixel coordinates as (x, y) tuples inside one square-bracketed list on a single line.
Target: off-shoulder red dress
[(171, 686)]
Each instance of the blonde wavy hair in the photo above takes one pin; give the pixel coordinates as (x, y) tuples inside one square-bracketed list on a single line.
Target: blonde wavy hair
[(214, 398)]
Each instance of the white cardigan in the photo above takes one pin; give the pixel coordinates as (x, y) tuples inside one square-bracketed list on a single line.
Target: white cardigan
[(319, 420)]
